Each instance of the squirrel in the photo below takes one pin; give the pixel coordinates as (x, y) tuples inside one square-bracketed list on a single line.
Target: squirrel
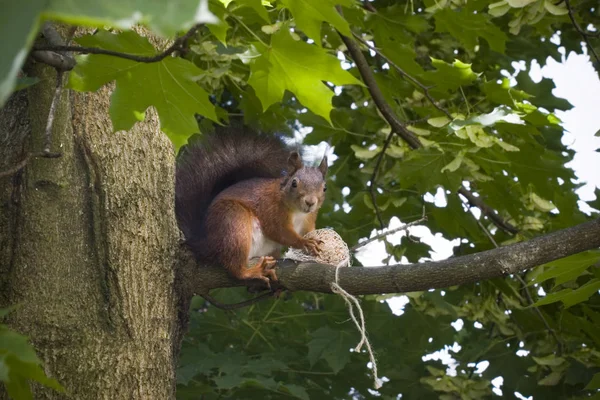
[(240, 194)]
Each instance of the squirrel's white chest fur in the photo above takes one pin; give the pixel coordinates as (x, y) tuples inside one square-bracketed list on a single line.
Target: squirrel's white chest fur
[(262, 245)]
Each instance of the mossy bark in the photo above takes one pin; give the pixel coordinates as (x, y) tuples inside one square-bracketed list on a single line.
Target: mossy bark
[(88, 243)]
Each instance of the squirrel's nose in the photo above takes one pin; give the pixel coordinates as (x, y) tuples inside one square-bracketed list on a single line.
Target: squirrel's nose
[(310, 202)]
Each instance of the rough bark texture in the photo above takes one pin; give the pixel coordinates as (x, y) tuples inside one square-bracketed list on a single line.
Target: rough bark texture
[(87, 245)]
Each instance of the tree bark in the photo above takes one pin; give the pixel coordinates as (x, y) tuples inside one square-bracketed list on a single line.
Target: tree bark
[(404, 278), (88, 245)]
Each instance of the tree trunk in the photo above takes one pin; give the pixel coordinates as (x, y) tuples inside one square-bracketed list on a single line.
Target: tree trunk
[(88, 243)]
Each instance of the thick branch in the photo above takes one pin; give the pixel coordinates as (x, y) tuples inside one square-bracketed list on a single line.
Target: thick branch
[(377, 95), (415, 277), (412, 139)]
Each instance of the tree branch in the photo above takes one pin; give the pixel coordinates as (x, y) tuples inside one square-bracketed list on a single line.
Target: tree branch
[(412, 139), (488, 211), (585, 35), (407, 76), (414, 277), (373, 187), (389, 232), (60, 62), (178, 44)]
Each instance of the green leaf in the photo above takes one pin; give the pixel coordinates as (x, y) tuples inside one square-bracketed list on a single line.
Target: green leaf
[(542, 204), (549, 361), (392, 27), (169, 85), (594, 383), (467, 27), (555, 9), (424, 168), (163, 17), (455, 164), (520, 3), (17, 345), (256, 5), (221, 26), (310, 15), (552, 379), (542, 92), (20, 23), (438, 122), (502, 93), (566, 269), (19, 364), (331, 345), (450, 76), (296, 391), (5, 311), (571, 297), (300, 68), (25, 82), (364, 154)]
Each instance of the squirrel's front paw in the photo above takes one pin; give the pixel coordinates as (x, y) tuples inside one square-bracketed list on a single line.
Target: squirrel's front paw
[(312, 246)]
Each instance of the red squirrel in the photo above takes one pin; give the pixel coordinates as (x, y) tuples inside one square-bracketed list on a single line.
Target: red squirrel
[(241, 194)]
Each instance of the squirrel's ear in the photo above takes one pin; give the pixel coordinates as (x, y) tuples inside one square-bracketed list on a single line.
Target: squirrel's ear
[(323, 166), (294, 162)]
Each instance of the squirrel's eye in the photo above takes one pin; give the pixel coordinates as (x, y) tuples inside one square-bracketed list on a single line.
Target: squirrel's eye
[(325, 188), (294, 183)]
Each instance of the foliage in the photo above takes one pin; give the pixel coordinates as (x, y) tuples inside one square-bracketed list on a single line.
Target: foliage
[(19, 364), (275, 66)]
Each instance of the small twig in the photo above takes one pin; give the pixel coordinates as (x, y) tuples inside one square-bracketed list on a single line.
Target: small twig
[(585, 35), (178, 44), (52, 112), (487, 211), (527, 294), (539, 313), (487, 232), (235, 306), (23, 163), (413, 141), (406, 75), (368, 6), (390, 232), (373, 188), (480, 356)]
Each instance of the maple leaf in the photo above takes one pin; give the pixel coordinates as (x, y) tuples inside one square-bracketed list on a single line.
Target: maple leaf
[(299, 67)]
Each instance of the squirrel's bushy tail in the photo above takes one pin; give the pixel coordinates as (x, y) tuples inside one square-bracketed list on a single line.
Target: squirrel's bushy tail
[(216, 162)]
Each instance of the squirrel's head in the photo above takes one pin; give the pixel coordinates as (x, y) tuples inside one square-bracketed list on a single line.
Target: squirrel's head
[(304, 187)]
